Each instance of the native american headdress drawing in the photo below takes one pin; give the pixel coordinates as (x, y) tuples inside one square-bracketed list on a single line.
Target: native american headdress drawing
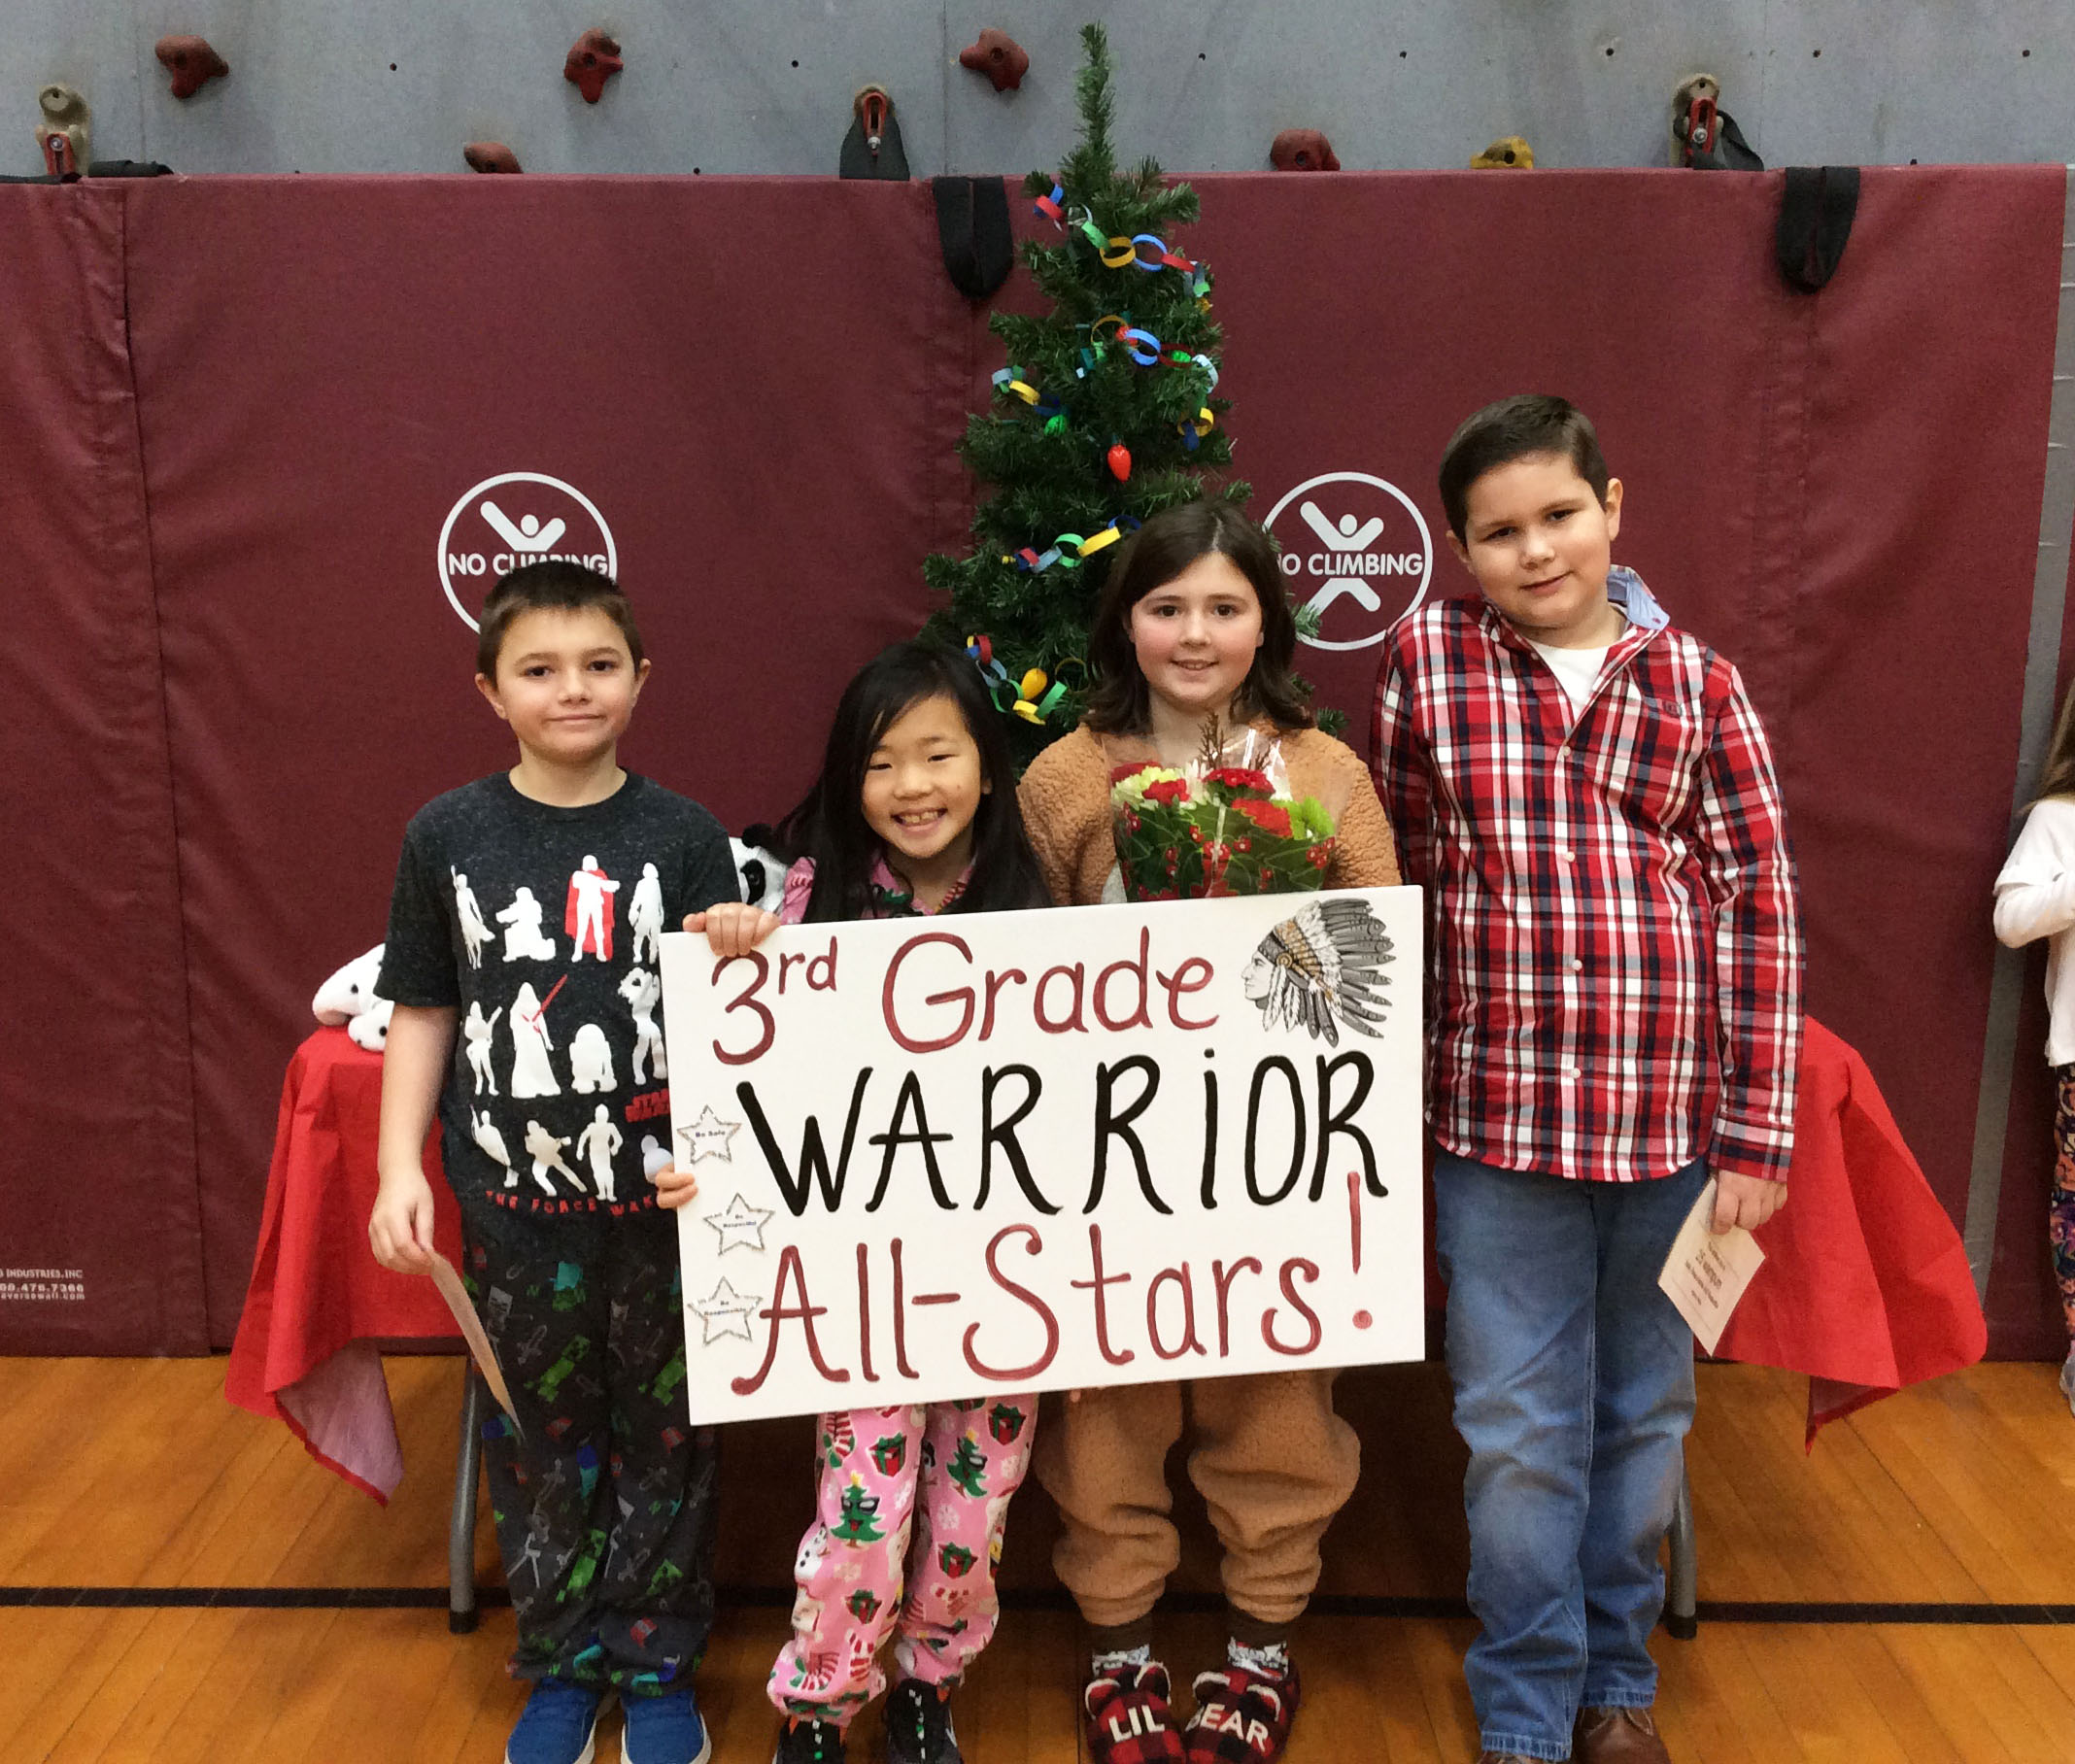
[(1321, 968)]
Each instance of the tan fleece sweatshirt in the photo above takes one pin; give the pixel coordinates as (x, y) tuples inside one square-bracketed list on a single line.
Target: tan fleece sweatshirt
[(1066, 809)]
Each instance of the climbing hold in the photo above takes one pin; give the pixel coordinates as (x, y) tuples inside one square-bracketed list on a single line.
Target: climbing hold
[(1509, 153), (491, 156), (1303, 150), (872, 148), (66, 132), (593, 60), (1704, 135), (192, 62), (874, 108), (999, 56)]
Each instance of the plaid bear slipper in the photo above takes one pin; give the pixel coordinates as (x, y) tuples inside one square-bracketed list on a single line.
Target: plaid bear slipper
[(1129, 1718), (1241, 1716)]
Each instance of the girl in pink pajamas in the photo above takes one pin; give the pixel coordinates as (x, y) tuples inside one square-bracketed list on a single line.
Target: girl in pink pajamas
[(912, 1506), (914, 813)]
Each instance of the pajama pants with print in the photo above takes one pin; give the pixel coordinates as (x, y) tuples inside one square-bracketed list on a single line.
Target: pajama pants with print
[(2060, 1217), (943, 1473), (603, 1496)]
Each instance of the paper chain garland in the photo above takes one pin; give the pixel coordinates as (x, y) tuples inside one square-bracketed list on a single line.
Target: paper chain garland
[(1034, 696), (1030, 560), (1144, 348), (1120, 251)]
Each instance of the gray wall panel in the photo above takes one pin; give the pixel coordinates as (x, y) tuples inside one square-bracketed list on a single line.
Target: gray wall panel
[(1943, 83), (1203, 88)]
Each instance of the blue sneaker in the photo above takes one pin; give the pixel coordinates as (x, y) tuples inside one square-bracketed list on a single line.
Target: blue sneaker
[(556, 1726), (665, 1730)]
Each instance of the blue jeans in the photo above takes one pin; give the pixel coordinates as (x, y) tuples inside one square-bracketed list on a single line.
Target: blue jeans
[(1574, 1390)]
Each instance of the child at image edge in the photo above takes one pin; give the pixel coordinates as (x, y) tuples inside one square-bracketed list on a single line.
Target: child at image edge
[(1613, 1016), (1193, 624), (524, 920), (2035, 897), (913, 814)]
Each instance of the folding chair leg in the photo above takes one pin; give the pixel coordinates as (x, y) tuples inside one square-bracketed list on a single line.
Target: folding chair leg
[(462, 1523), (1683, 1578)]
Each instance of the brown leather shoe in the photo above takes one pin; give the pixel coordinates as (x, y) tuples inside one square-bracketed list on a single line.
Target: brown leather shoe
[(1618, 1736), (1502, 1757)]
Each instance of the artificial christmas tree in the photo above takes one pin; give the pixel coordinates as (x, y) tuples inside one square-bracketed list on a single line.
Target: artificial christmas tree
[(1106, 414)]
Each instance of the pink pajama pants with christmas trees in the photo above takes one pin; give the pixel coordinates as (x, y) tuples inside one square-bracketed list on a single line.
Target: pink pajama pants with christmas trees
[(912, 1504)]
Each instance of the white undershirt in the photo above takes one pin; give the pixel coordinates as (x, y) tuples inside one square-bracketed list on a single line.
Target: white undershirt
[(1576, 670)]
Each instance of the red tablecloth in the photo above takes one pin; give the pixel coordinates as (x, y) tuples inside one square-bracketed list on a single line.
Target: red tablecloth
[(319, 1303), (1865, 1286)]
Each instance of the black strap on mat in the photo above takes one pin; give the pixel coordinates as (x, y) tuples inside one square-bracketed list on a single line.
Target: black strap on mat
[(972, 228), (1815, 223), (858, 160), (100, 168)]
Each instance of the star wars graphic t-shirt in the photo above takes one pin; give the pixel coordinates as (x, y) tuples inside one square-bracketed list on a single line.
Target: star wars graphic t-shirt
[(540, 926)]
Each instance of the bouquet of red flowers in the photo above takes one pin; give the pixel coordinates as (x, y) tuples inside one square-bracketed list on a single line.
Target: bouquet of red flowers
[(1217, 828)]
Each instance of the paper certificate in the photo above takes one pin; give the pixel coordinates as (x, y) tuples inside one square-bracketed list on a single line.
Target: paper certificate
[(448, 1280), (1706, 1274)]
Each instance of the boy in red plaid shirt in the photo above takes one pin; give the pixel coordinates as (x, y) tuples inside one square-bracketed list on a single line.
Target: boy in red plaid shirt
[(1613, 1019)]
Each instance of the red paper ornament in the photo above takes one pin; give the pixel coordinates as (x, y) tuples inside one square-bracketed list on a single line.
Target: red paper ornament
[(1120, 462)]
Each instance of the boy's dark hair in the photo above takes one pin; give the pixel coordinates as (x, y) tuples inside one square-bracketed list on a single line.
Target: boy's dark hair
[(552, 582), (1153, 557), (829, 827), (1518, 428)]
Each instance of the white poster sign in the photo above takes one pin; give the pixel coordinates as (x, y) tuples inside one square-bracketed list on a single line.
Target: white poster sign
[(939, 1158)]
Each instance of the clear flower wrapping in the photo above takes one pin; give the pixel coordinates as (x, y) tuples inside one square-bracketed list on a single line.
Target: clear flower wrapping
[(1226, 824)]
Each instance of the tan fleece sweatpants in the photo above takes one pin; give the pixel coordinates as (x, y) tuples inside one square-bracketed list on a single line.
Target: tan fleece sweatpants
[(1272, 1460)]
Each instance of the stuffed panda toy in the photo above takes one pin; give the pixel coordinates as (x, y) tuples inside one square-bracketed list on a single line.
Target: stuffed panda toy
[(349, 998), (759, 870)]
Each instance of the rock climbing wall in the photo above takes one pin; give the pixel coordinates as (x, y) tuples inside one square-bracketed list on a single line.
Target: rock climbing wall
[(383, 86)]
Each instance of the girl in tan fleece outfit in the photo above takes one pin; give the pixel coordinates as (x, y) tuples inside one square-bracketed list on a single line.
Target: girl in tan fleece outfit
[(1193, 624)]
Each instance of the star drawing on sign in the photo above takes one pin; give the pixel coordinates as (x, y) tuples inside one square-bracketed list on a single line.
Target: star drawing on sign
[(740, 1225), (724, 1313), (708, 1136)]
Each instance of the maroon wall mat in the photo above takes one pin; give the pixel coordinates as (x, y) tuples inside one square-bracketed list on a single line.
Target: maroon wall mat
[(100, 1238), (735, 374), (1840, 490), (758, 383)]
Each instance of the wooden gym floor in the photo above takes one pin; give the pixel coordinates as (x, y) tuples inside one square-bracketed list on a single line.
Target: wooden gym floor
[(1906, 1594)]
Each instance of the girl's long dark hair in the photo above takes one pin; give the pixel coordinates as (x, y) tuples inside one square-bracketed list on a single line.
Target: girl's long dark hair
[(1153, 557), (829, 827), (2056, 776)]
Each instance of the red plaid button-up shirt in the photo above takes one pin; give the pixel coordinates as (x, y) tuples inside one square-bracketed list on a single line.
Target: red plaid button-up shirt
[(1615, 947)]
